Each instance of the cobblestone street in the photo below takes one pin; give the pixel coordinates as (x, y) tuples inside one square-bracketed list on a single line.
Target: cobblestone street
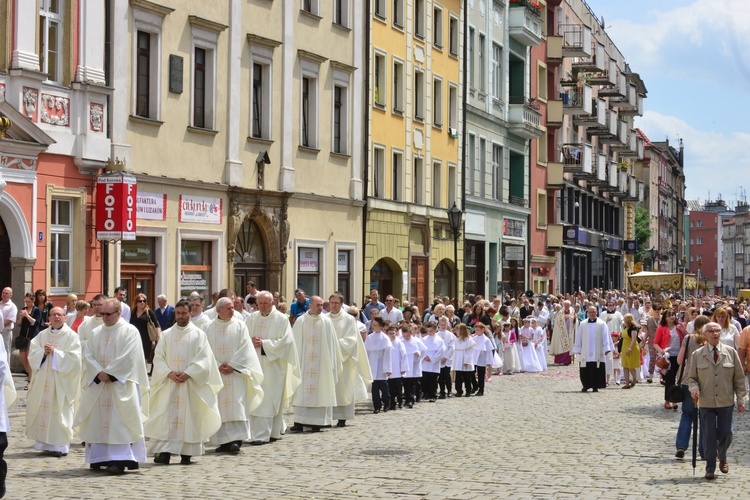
[(530, 436)]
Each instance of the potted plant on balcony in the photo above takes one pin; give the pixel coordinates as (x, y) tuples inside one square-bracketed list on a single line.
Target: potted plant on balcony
[(623, 165), (531, 5)]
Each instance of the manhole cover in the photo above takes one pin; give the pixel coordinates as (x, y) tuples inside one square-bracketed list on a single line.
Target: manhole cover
[(385, 452)]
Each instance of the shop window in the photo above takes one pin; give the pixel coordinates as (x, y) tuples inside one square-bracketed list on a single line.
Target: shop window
[(308, 270), (344, 274), (195, 270)]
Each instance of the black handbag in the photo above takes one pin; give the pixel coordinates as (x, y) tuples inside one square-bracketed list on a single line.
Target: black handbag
[(21, 343), (674, 393)]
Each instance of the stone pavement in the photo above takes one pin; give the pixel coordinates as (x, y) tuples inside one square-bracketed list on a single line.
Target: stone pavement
[(530, 436)]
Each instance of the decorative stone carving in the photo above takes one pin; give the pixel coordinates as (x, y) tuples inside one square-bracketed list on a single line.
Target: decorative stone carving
[(2, 92), (96, 117), (30, 97), (18, 162), (55, 110)]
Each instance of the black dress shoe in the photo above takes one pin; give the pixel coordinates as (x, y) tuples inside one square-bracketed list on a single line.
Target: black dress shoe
[(57, 454), (115, 470), (595, 389), (185, 460), (162, 458), (315, 428), (432, 400), (410, 405), (376, 411), (234, 448), (296, 428), (442, 395), (273, 440), (467, 395), (480, 393), (459, 394), (584, 389), (258, 443), (223, 448), (341, 423)]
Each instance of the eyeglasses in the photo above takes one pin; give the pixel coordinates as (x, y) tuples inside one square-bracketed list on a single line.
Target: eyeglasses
[(140, 300), (97, 304), (712, 330), (107, 315)]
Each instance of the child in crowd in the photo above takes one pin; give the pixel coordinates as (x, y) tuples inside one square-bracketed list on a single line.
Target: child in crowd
[(431, 364), (378, 347), (482, 358), (463, 360), (415, 353), (399, 365)]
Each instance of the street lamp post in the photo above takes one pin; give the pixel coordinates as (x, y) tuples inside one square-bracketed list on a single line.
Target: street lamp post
[(603, 242), (454, 219), (652, 257)]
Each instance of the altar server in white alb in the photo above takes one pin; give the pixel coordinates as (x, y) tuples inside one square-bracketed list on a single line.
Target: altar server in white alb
[(114, 401), (184, 408), (320, 366), (435, 351), (482, 358), (7, 398), (272, 337), (241, 375), (379, 347), (399, 365), (55, 359), (415, 353), (90, 323), (355, 376)]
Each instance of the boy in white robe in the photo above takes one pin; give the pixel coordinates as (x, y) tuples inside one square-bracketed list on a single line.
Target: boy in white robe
[(241, 375), (463, 360), (184, 408), (91, 322), (378, 347), (444, 379), (482, 358), (398, 364), (431, 362), (415, 353), (55, 359)]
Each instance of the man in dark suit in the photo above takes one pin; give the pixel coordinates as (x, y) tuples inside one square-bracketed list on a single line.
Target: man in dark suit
[(164, 313)]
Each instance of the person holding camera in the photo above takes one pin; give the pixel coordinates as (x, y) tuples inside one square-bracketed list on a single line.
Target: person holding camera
[(31, 322)]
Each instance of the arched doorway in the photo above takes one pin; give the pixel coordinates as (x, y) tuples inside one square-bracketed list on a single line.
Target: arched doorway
[(382, 278), (444, 279), (250, 262), (5, 270)]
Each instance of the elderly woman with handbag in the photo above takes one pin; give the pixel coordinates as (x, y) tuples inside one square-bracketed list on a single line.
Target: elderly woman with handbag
[(145, 320)]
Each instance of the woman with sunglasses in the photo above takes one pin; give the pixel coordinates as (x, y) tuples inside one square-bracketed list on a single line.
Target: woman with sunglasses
[(44, 305), (140, 318), (667, 343)]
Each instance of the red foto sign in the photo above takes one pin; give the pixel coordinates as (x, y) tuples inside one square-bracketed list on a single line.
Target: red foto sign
[(116, 207)]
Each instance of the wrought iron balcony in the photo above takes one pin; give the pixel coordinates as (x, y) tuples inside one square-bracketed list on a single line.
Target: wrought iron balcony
[(618, 88), (524, 118), (518, 201), (576, 40), (597, 62), (577, 101), (597, 118), (577, 158)]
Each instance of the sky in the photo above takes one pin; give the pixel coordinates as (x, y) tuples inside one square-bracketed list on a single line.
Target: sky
[(692, 59)]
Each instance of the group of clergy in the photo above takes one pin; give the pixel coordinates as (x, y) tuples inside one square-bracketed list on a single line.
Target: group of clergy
[(219, 379)]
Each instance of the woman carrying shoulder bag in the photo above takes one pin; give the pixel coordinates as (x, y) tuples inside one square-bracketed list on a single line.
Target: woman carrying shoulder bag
[(143, 318), (31, 323)]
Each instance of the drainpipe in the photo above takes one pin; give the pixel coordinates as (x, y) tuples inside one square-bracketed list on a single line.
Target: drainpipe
[(464, 154), (366, 141)]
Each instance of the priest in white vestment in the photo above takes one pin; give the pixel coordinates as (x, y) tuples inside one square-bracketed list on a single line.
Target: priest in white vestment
[(114, 401), (320, 367), (241, 374), (592, 343), (7, 397), (90, 323), (197, 316), (55, 359), (185, 382), (272, 337), (563, 331), (356, 376)]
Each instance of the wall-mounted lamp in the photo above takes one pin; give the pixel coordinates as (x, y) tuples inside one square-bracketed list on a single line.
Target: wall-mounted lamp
[(261, 161)]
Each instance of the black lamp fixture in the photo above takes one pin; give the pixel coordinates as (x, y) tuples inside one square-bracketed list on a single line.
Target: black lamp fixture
[(454, 219)]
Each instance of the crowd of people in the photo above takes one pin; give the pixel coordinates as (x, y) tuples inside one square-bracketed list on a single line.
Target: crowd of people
[(223, 374)]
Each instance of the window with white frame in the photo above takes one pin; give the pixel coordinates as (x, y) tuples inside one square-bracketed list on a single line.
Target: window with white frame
[(309, 104), (203, 95), (146, 87), (311, 6), (61, 244), (451, 182), (472, 164), (471, 58), (481, 57), (437, 183), (344, 274), (341, 12), (378, 172), (379, 79), (419, 95), (419, 18), (497, 71), (437, 102), (51, 38), (541, 81), (453, 36), (261, 92), (398, 86), (380, 8), (308, 269), (437, 26), (397, 175), (699, 241), (418, 181), (541, 208), (497, 172), (341, 112), (482, 165), (453, 109), (398, 13)]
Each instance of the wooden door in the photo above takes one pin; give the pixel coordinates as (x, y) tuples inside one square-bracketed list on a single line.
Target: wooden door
[(418, 279), (139, 282)]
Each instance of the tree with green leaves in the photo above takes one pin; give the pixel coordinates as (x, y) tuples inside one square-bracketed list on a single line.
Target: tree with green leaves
[(642, 232)]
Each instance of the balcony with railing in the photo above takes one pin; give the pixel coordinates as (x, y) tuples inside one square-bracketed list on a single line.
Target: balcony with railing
[(524, 118), (612, 171), (608, 133), (576, 40), (628, 148), (577, 158), (633, 105), (525, 23), (618, 87), (597, 62), (519, 201), (577, 101), (633, 189), (597, 118), (622, 183), (601, 170)]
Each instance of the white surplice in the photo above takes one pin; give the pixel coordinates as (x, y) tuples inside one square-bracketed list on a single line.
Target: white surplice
[(355, 376)]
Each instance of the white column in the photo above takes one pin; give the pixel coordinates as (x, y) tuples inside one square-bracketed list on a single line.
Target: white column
[(120, 83), (288, 56), (357, 86), (90, 67), (24, 35), (233, 165)]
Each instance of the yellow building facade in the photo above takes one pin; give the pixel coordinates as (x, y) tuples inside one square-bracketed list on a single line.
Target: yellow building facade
[(415, 128)]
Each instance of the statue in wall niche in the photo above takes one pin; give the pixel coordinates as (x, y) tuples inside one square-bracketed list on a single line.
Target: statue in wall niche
[(234, 223)]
